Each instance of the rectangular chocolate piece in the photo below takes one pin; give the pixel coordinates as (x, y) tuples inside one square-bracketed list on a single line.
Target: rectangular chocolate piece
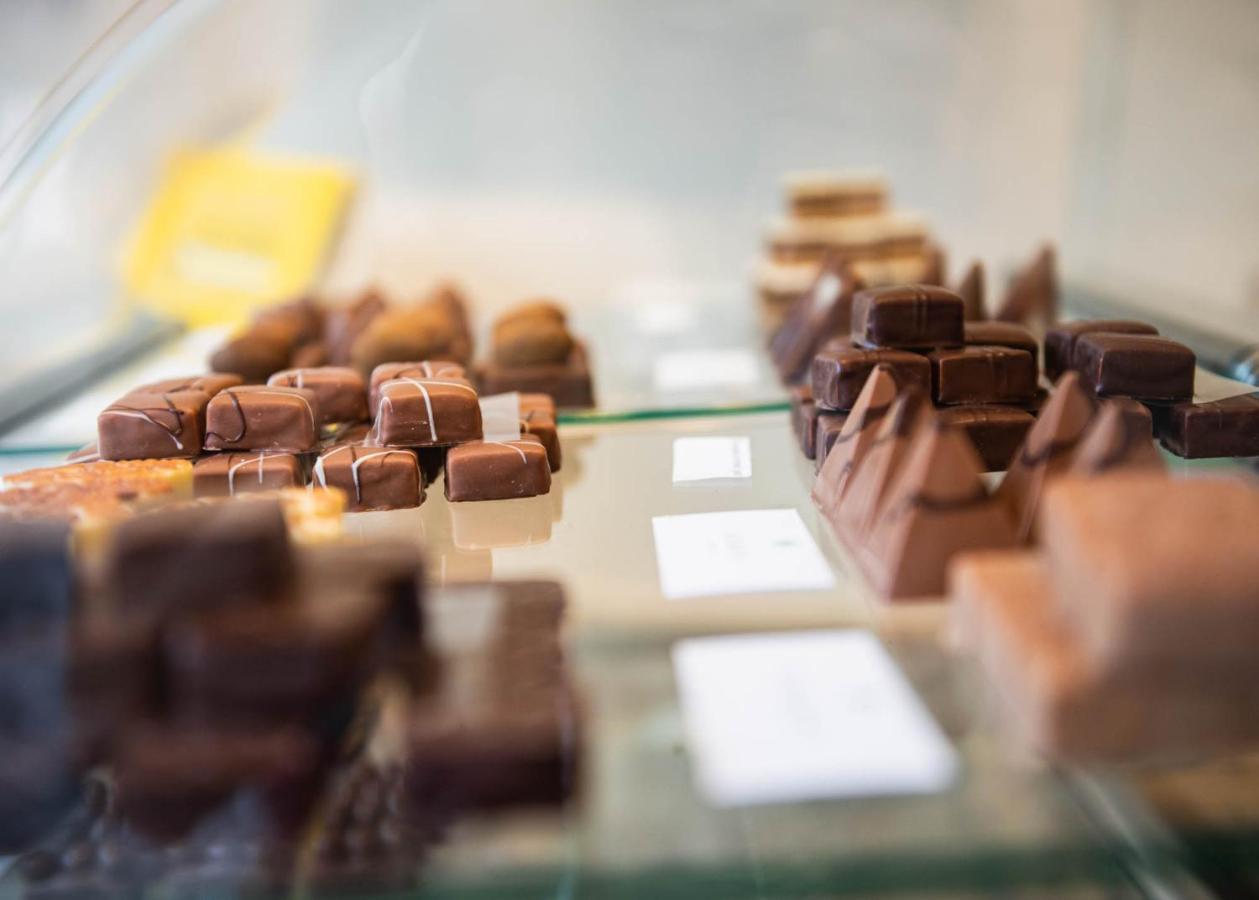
[(829, 425), (229, 474), (209, 384), (152, 426), (996, 431), (263, 418), (426, 412), (908, 316), (1228, 427), (804, 420), (982, 375), (1060, 340), (991, 333), (569, 383), (339, 390), (839, 372), (542, 426), (1144, 367), (497, 470), (421, 370), (372, 477)]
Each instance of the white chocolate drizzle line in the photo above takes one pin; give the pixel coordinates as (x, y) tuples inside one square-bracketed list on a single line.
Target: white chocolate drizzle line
[(231, 470), (512, 444), (318, 470), (140, 414), (422, 387)]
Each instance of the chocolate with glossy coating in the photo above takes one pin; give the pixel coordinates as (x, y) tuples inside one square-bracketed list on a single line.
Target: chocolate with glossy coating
[(1033, 292), (854, 439), (838, 372), (823, 312), (497, 470), (908, 316), (804, 419), (228, 474), (829, 427), (569, 382), (971, 290), (1001, 334), (542, 425), (152, 426), (339, 391), (420, 370), (1227, 427), (982, 375), (425, 412), (209, 384), (1146, 367), (1120, 435), (263, 418), (996, 432), (1060, 340), (253, 357), (372, 477)]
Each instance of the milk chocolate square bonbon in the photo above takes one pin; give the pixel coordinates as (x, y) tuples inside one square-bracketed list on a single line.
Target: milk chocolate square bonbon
[(228, 474), (420, 370), (983, 375), (907, 316), (426, 412), (497, 470), (372, 477), (209, 384), (839, 371), (152, 426), (1145, 367), (263, 418), (339, 391)]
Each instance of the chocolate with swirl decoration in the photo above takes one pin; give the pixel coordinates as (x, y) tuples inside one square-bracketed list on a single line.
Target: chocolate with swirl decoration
[(340, 390), (152, 426), (372, 477), (263, 418), (497, 470), (391, 371), (229, 474), (425, 412)]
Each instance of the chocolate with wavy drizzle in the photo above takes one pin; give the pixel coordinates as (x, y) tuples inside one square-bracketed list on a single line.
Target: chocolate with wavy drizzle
[(152, 426), (425, 412), (372, 477), (263, 418)]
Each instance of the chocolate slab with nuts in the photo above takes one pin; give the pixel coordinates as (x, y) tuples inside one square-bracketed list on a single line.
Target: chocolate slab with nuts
[(569, 382), (908, 316), (152, 426), (1227, 427), (982, 375), (1060, 340), (838, 372), (425, 412), (1144, 367), (372, 477), (263, 418), (995, 431), (497, 470), (339, 390), (229, 474), (421, 371)]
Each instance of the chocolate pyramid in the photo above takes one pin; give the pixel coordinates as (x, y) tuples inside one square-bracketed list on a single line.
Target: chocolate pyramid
[(1046, 452), (824, 311), (1034, 291), (971, 290), (1121, 434), (934, 271), (868, 484), (936, 507), (875, 400)]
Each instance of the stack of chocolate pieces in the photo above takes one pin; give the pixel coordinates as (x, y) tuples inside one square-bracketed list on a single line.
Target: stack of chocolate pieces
[(533, 352), (1130, 633), (845, 216)]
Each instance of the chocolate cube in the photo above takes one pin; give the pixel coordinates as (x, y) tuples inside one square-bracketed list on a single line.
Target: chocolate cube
[(152, 426), (339, 390), (542, 426), (840, 370), (569, 383), (908, 316), (983, 375), (1228, 427), (1060, 340), (229, 474), (372, 477), (209, 384), (1144, 367), (991, 333), (263, 418), (421, 371), (426, 412), (497, 470)]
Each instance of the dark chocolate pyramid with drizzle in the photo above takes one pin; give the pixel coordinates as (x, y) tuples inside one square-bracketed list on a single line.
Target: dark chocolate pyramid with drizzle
[(1046, 452), (1121, 435), (936, 508), (971, 290), (859, 431)]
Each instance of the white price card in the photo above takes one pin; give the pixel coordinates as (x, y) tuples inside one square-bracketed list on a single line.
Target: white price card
[(692, 370), (706, 458), (737, 552), (796, 716)]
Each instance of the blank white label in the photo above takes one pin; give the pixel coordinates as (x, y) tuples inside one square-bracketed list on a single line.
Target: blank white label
[(705, 458), (780, 718), (690, 370), (737, 552)]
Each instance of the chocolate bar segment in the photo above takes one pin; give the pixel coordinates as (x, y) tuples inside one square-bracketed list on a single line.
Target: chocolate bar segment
[(339, 391), (263, 418), (1144, 367), (372, 477), (996, 432), (229, 474), (497, 470), (983, 375), (152, 426), (1228, 427), (839, 372), (1060, 340), (422, 370), (908, 316), (1001, 334), (426, 412)]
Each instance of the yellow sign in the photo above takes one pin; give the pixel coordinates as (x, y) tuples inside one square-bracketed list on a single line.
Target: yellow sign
[(230, 229)]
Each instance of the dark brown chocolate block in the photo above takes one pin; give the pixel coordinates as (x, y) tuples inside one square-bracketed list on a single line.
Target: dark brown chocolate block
[(372, 477), (907, 316), (983, 375), (804, 420), (262, 418), (1060, 340), (229, 474), (839, 372), (829, 425), (823, 312), (1228, 427), (422, 370), (152, 426), (542, 426), (497, 470), (209, 384), (198, 557), (1144, 367), (569, 383), (1001, 334), (426, 413), (339, 390), (995, 431)]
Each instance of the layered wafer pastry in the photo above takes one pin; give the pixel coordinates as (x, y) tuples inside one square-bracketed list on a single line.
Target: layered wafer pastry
[(855, 437), (836, 194)]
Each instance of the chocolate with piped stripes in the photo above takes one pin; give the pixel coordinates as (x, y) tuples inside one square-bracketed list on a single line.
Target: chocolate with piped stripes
[(263, 418), (425, 412)]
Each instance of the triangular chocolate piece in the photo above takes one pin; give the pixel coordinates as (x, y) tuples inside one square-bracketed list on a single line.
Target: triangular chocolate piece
[(823, 312), (937, 263), (1046, 452), (875, 400), (869, 481), (1121, 435), (1034, 291), (936, 508), (971, 290)]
